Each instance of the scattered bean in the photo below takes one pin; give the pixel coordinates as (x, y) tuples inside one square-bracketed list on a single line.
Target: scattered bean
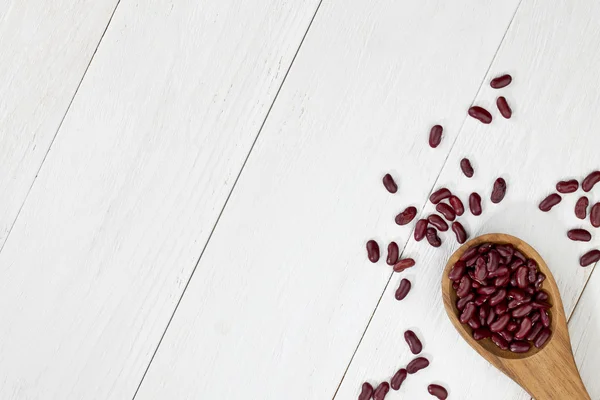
[(589, 258), (406, 216), (499, 191), (413, 342), (393, 253), (417, 364), (569, 186), (595, 215), (390, 184), (581, 207), (459, 231), (549, 202), (457, 205), (446, 211), (433, 238), (398, 378), (438, 391), (438, 222), (403, 289), (381, 391), (466, 167), (480, 114), (580, 235), (589, 182), (366, 392), (373, 251), (439, 195), (421, 229), (501, 81), (475, 203), (403, 264), (435, 136), (503, 107)]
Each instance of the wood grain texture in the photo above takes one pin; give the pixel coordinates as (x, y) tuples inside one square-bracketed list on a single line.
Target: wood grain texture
[(283, 291), (132, 188), (551, 136), (45, 47)]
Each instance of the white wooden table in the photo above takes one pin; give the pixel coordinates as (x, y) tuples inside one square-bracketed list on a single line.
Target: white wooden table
[(186, 188)]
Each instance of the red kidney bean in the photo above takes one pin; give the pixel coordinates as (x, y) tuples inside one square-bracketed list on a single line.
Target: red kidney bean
[(466, 167), (417, 364), (503, 107), (457, 271), (500, 341), (480, 114), (474, 323), (498, 297), (390, 184), (459, 231), (530, 290), (457, 205), (366, 392), (534, 331), (501, 81), (483, 313), (435, 136), (403, 264), (500, 323), (432, 237), (579, 235), (439, 195), (373, 251), (499, 191), (479, 300), (455, 285), (493, 261), (438, 222), (506, 335), (406, 216), (589, 258), (398, 379), (535, 317), (501, 308), (541, 296), (531, 275), (581, 207), (484, 248), (589, 182), (512, 326), (522, 310), (421, 229), (519, 255), (403, 289), (542, 338), (471, 261), (569, 186), (538, 282), (506, 251), (487, 290), (516, 294), (549, 202), (481, 333), (462, 303), (520, 346), (393, 253), (438, 391), (381, 391), (524, 328), (502, 280), (501, 271), (475, 203), (522, 280), (545, 318), (480, 269), (446, 211), (490, 317), (541, 304), (413, 342), (468, 254), (595, 215), (468, 313), (515, 263)]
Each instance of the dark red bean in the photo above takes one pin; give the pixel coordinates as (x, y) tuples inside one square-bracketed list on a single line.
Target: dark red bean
[(595, 215), (519, 255), (501, 308), (506, 251), (484, 310), (457, 271), (542, 338), (580, 235), (462, 303), (524, 328), (493, 261), (446, 211), (506, 335), (403, 264), (459, 231), (581, 207), (406, 216), (480, 269), (487, 290), (433, 238), (490, 317), (545, 318), (530, 290), (500, 341), (499, 191), (541, 296), (531, 275), (501, 271), (413, 342), (438, 222), (534, 331), (541, 304), (373, 251), (455, 285), (589, 258), (366, 392), (474, 323), (390, 184), (475, 203), (502, 281), (589, 182), (522, 310), (503, 107), (403, 289), (520, 346), (435, 136), (457, 205), (421, 229), (466, 167), (439, 195), (393, 252), (516, 294), (398, 379), (479, 300), (522, 280), (515, 263), (500, 323), (512, 326), (381, 391), (501, 81), (569, 186), (480, 114), (498, 297), (468, 254), (549, 202), (438, 391), (481, 333), (535, 317), (417, 364), (468, 313)]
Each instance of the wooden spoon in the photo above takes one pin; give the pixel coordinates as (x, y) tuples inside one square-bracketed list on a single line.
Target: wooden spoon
[(546, 373)]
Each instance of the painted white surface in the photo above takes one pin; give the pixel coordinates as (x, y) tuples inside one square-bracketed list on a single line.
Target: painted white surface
[(133, 184), (283, 292), (551, 136), (45, 47)]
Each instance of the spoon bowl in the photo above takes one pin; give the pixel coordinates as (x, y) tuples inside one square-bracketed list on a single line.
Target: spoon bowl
[(549, 372)]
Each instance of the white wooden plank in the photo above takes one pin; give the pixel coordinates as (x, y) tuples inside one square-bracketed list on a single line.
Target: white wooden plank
[(551, 136), (283, 292), (132, 188), (45, 48)]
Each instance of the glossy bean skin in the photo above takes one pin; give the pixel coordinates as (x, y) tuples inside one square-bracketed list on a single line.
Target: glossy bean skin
[(475, 204), (549, 202), (581, 207), (535, 331), (589, 258), (545, 318), (457, 205), (501, 308), (393, 252), (457, 271), (502, 280), (524, 328), (500, 271), (381, 391), (446, 211), (512, 326), (481, 114), (421, 229), (595, 215), (522, 310), (541, 296), (468, 254), (462, 303), (439, 195), (490, 317), (438, 391), (417, 364), (501, 81), (487, 291), (403, 264), (403, 289), (459, 232), (580, 235), (366, 392), (497, 297), (390, 184), (433, 238), (589, 182), (522, 280), (498, 191), (500, 341), (398, 378), (466, 167), (493, 261), (542, 338), (500, 323), (406, 216), (520, 346), (438, 222), (413, 342), (569, 186), (503, 107), (373, 251), (435, 136), (481, 333), (468, 313)]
